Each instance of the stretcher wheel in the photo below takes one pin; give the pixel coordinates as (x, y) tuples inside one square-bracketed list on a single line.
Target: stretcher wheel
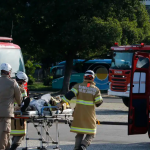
[(25, 148)]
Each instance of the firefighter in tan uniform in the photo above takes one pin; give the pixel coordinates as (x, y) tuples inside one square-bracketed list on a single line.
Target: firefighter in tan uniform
[(9, 91), (18, 126), (84, 122)]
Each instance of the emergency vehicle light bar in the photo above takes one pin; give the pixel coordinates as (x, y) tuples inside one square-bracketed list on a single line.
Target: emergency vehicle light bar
[(5, 39), (142, 44), (116, 43), (138, 45)]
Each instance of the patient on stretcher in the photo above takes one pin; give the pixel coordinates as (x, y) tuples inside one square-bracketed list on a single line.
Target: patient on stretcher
[(46, 100)]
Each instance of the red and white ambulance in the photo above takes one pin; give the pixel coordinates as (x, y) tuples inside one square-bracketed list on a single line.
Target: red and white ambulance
[(11, 53)]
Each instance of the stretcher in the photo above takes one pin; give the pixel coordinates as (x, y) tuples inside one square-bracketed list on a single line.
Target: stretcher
[(42, 122)]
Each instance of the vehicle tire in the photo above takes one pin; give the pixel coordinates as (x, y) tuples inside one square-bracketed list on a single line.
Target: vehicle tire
[(71, 85), (149, 132), (126, 101)]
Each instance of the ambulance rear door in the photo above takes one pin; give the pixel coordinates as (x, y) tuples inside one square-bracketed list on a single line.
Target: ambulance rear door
[(139, 94)]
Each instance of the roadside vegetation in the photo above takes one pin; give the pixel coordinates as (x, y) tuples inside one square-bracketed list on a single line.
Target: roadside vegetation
[(39, 86), (53, 31)]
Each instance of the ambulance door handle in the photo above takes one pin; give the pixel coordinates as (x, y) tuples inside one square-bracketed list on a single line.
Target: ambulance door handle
[(132, 85)]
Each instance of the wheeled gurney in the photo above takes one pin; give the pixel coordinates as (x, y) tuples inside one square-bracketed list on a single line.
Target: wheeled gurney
[(44, 120)]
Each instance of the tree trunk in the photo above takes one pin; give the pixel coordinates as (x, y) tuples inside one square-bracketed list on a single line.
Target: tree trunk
[(68, 70)]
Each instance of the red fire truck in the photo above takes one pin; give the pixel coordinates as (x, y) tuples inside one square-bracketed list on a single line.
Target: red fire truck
[(120, 70), (11, 53), (139, 105)]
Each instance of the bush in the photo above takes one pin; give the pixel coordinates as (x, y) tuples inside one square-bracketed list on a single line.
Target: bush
[(30, 69), (48, 80), (31, 80)]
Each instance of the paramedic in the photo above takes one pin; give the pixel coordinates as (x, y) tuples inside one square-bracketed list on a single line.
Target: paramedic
[(18, 126), (8, 91), (84, 122)]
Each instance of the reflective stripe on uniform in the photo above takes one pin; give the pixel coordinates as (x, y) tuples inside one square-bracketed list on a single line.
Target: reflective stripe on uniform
[(99, 98), (74, 91), (65, 99), (24, 94), (85, 102), (18, 132), (86, 130)]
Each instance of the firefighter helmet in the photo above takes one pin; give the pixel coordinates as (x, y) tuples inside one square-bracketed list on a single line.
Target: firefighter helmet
[(21, 76), (6, 67), (89, 75)]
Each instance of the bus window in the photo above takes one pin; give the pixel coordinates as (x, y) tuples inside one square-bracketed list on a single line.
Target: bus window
[(59, 72), (77, 68), (86, 66)]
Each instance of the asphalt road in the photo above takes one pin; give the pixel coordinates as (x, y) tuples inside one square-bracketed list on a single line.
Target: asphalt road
[(108, 137)]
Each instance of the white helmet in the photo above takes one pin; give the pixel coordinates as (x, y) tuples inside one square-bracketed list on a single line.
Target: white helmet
[(5, 66), (89, 74), (21, 76)]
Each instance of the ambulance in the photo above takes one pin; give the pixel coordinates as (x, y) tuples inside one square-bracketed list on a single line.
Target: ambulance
[(11, 53)]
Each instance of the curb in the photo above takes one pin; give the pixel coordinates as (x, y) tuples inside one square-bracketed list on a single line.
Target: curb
[(109, 96), (56, 93)]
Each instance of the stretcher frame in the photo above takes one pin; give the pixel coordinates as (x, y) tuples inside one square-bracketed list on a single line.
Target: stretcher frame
[(45, 122)]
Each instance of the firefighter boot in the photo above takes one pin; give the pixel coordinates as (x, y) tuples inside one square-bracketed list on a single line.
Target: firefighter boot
[(82, 147), (14, 147)]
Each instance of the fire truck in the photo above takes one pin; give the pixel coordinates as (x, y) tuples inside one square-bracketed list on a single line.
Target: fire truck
[(120, 70), (11, 53), (139, 104)]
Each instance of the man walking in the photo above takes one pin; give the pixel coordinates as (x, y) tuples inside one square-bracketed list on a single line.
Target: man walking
[(18, 126), (9, 91), (84, 122)]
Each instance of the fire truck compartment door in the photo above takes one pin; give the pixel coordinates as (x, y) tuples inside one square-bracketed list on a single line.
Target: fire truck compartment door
[(139, 95)]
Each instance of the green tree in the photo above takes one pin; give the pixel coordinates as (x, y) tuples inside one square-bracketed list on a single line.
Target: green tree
[(63, 29)]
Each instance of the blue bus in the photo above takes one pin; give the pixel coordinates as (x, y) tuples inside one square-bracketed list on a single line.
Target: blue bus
[(99, 66)]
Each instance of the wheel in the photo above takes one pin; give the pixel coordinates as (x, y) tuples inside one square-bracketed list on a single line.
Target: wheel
[(126, 101), (71, 85), (149, 132)]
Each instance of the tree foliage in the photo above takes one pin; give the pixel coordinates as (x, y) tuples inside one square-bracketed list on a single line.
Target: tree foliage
[(64, 29)]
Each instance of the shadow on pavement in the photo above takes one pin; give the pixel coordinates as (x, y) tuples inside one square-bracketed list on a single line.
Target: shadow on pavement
[(111, 112), (108, 146), (135, 146)]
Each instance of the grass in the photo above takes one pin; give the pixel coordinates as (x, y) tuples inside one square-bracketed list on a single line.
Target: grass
[(38, 86)]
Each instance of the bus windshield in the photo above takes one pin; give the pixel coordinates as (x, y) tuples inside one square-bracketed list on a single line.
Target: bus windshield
[(122, 60), (59, 72), (14, 58)]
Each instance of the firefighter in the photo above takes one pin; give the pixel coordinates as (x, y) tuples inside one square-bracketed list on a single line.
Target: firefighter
[(84, 122), (19, 125), (8, 91)]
